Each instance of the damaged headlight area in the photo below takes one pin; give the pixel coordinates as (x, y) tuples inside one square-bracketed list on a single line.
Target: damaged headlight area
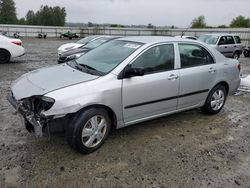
[(30, 109), (37, 104)]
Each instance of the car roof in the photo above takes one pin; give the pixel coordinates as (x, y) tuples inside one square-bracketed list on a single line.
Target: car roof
[(154, 39)]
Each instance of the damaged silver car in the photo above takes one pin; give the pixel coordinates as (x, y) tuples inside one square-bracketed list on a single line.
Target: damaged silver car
[(123, 82)]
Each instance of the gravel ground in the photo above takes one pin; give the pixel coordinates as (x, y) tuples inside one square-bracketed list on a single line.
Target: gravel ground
[(188, 149)]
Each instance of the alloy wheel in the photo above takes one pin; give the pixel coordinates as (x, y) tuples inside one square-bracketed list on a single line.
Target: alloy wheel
[(94, 131), (218, 99)]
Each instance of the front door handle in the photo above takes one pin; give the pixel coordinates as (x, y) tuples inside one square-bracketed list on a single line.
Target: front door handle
[(225, 46), (212, 70), (173, 77)]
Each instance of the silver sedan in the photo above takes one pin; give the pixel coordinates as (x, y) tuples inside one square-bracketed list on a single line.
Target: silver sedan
[(123, 82)]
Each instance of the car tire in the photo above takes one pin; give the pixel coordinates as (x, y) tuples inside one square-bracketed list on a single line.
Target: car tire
[(236, 55), (4, 56), (88, 130), (246, 53), (216, 100)]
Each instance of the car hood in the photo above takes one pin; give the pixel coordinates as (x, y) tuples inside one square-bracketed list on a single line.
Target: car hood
[(42, 81), (75, 51)]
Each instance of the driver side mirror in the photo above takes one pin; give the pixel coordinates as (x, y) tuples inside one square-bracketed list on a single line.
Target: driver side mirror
[(132, 72)]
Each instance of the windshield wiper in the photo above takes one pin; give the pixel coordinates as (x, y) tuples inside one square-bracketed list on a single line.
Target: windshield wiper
[(86, 68), (92, 69)]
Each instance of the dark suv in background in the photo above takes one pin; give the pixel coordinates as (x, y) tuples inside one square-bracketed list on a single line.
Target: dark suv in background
[(228, 44)]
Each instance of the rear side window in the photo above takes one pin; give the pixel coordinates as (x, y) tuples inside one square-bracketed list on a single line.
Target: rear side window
[(237, 39), (230, 40), (193, 55), (156, 59)]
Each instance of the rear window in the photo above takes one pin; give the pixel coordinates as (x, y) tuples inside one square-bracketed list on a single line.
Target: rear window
[(237, 39)]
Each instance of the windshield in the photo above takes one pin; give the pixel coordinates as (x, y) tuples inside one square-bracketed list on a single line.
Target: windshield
[(95, 43), (85, 40), (209, 39), (109, 55)]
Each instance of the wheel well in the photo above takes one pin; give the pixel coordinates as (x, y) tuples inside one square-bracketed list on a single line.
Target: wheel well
[(111, 113), (6, 51), (225, 84)]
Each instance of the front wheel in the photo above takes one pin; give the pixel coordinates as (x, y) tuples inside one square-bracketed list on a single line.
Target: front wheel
[(88, 130), (216, 100)]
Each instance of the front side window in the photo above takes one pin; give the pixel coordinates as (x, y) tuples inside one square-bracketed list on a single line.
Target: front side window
[(156, 59), (193, 55), (106, 57), (223, 41)]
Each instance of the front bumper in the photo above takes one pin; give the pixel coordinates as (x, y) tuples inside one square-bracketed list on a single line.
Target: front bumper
[(32, 122)]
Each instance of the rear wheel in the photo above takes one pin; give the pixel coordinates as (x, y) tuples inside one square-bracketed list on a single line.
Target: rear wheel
[(4, 56), (246, 53), (215, 100), (236, 55), (88, 130)]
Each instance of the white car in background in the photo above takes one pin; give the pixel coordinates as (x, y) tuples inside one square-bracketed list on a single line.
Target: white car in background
[(78, 44), (10, 48)]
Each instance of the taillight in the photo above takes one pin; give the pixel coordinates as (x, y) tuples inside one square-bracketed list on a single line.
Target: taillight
[(238, 66), (17, 43)]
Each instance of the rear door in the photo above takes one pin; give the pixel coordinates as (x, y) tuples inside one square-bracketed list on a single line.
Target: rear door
[(226, 46), (197, 75)]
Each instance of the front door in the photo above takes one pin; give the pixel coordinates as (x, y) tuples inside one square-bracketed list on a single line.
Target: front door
[(154, 93)]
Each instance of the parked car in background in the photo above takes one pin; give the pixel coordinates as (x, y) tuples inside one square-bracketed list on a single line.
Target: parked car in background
[(10, 48), (187, 37), (246, 51), (73, 45), (76, 53), (228, 44), (124, 82), (70, 35)]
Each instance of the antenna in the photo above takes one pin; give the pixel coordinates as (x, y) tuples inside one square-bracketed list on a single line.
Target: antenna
[(183, 32)]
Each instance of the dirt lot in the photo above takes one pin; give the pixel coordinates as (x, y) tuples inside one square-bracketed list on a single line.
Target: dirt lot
[(189, 149)]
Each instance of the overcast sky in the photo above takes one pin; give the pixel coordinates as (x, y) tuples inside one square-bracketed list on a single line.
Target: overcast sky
[(158, 12)]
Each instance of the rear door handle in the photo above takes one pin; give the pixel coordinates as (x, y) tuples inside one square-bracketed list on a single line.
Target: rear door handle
[(212, 70), (225, 46), (173, 77)]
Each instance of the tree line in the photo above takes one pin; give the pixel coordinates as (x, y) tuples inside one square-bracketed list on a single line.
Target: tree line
[(238, 22), (47, 16)]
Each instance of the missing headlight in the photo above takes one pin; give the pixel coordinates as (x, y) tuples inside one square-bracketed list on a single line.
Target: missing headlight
[(43, 104)]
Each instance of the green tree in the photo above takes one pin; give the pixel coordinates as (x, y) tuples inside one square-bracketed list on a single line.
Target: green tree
[(49, 16), (240, 22), (22, 21), (31, 18), (199, 22), (8, 12)]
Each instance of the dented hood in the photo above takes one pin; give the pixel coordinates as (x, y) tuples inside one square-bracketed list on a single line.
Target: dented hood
[(42, 81)]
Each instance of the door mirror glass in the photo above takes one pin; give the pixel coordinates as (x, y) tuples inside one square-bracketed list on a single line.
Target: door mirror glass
[(131, 72)]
